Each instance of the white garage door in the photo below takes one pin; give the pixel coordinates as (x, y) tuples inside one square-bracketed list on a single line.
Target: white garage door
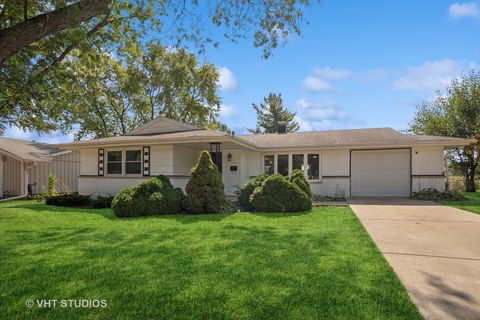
[(380, 173)]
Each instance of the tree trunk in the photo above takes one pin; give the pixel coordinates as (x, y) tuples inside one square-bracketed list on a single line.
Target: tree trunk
[(19, 36), (470, 179)]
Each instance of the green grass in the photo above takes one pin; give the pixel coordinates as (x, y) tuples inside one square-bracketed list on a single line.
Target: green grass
[(472, 203), (315, 265)]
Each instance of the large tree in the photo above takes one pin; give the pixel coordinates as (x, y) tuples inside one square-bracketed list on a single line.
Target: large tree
[(37, 36), (455, 113), (103, 96), (270, 112), (173, 84)]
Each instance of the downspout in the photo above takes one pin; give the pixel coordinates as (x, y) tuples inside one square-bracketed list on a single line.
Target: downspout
[(24, 181)]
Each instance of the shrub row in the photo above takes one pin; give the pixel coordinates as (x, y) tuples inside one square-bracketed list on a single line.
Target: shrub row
[(77, 200), (435, 195), (277, 193)]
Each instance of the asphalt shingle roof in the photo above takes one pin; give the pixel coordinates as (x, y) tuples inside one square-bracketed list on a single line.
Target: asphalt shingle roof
[(28, 150)]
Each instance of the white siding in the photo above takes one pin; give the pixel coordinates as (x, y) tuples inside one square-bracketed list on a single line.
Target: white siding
[(183, 160), (332, 187), (427, 161), (336, 162), (89, 162), (161, 160), (428, 168), (420, 183), (65, 167), (12, 176)]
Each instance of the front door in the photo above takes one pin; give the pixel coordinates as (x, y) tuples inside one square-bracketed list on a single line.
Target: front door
[(217, 159)]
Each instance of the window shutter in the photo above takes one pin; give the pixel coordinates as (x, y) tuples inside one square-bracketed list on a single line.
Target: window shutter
[(101, 161), (146, 161)]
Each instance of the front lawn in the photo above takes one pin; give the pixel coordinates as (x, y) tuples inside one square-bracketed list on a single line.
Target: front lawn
[(472, 203), (316, 265)]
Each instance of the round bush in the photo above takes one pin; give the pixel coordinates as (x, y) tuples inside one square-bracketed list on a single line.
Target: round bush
[(205, 190), (299, 179), (150, 197), (246, 191), (277, 194)]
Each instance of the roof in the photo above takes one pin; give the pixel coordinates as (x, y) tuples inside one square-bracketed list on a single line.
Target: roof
[(347, 138), (162, 125), (197, 134), (28, 150), (163, 130)]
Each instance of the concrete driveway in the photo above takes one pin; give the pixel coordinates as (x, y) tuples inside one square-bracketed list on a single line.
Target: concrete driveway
[(434, 249)]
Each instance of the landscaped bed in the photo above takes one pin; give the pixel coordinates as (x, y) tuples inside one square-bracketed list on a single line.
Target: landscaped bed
[(471, 202), (319, 264)]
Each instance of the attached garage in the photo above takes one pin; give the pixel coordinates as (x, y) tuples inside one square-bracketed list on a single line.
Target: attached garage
[(380, 173)]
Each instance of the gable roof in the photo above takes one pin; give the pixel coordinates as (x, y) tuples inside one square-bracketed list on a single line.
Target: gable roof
[(167, 131), (192, 135), (161, 125), (28, 150), (347, 138)]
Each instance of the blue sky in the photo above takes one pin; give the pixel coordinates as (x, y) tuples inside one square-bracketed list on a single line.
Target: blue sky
[(358, 64)]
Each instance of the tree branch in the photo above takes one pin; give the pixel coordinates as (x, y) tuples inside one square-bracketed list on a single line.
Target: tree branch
[(14, 39), (25, 10)]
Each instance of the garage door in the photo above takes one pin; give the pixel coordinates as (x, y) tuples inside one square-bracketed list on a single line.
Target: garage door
[(380, 173)]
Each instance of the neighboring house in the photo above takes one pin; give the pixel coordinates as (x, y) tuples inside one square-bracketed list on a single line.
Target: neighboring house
[(360, 162), (25, 166)]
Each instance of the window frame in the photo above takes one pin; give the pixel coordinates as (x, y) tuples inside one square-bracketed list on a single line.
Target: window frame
[(106, 162), (305, 154), (123, 162), (137, 161)]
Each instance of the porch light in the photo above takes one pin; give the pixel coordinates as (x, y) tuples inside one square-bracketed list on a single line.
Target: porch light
[(229, 157), (215, 147)]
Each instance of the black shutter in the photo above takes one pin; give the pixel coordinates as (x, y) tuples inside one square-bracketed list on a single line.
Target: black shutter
[(101, 161), (146, 161)]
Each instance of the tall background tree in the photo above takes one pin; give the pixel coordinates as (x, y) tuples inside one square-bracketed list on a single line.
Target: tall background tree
[(107, 97), (270, 112), (455, 113), (38, 36)]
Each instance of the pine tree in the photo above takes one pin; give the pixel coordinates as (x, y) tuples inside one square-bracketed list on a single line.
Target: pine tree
[(270, 113), (205, 192)]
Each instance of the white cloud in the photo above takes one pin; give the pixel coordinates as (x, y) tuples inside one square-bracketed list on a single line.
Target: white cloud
[(316, 84), (319, 80), (328, 73), (226, 111), (226, 80), (431, 75), (323, 115), (467, 9)]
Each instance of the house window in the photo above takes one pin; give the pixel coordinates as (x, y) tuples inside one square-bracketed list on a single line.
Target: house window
[(114, 162), (133, 161), (269, 164), (297, 161), (313, 167), (282, 164)]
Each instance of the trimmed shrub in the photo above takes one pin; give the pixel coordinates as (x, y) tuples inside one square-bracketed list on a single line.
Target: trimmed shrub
[(205, 192), (67, 200), (123, 203), (299, 179), (247, 189), (101, 202), (150, 197), (277, 193)]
